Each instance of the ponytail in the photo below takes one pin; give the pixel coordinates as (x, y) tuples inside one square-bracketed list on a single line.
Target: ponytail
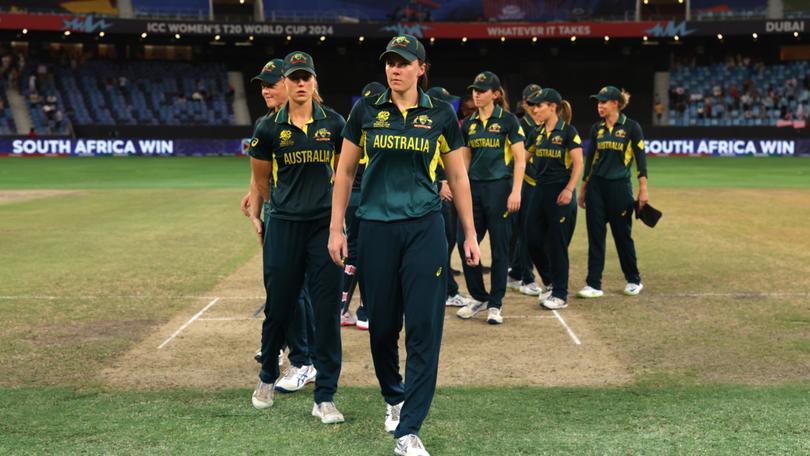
[(502, 101), (625, 100), (564, 111), (316, 95), (422, 82)]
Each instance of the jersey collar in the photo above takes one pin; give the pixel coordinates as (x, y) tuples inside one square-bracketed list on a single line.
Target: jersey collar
[(497, 113), (529, 121), (283, 115), (424, 99)]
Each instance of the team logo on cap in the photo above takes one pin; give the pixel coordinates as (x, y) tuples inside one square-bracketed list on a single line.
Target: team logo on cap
[(620, 133), (400, 41), (445, 92), (286, 138), (323, 135), (298, 59), (423, 121), (481, 78), (269, 67), (603, 91), (494, 128), (382, 120)]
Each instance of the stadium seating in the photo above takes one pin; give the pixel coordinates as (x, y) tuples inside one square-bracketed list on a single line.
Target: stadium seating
[(96, 94), (39, 117), (7, 125), (175, 8), (739, 95)]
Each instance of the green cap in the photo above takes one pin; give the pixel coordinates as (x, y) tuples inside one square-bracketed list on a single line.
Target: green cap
[(546, 95), (407, 47), (298, 60), (608, 93), (271, 72), (530, 90), (372, 89), (485, 81), (440, 93)]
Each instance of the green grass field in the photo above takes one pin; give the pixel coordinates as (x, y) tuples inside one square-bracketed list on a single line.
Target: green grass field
[(718, 347)]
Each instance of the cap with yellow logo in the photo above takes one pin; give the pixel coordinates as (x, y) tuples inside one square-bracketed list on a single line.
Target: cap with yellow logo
[(298, 60)]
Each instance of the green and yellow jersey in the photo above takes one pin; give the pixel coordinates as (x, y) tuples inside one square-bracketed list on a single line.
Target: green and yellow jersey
[(551, 152), (612, 151), (402, 150), (529, 125), (490, 141), (303, 161)]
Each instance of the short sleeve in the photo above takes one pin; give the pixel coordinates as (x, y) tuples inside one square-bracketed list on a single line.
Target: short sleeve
[(573, 141), (515, 131), (340, 125), (451, 132), (261, 144), (353, 129)]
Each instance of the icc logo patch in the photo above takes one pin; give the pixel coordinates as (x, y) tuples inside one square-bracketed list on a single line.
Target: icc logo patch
[(423, 121), (382, 120), (286, 138), (601, 133), (472, 129), (323, 135), (494, 128)]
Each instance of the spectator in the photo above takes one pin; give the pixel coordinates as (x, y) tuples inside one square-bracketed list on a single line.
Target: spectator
[(32, 134), (659, 110)]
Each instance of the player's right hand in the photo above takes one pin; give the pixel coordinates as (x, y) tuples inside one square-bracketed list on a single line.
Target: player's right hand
[(245, 205), (471, 254), (259, 227), (338, 248)]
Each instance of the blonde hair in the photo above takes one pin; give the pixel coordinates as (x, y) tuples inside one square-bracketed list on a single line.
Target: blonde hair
[(502, 101), (564, 110), (316, 95), (625, 100)]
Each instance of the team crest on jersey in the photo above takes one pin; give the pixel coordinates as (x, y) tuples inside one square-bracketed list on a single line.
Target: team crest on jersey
[(298, 58), (323, 135), (620, 133), (382, 120), (556, 140), (400, 41), (286, 138), (472, 130), (423, 121), (494, 128)]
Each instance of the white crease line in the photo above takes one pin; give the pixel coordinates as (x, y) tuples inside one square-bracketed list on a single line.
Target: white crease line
[(225, 319), (190, 321), (567, 328), (92, 297)]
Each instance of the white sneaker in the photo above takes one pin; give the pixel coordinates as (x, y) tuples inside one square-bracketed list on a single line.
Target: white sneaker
[(410, 445), (513, 284), (327, 412), (362, 324), (546, 293), (589, 292), (456, 301), (471, 309), (553, 303), (296, 378), (263, 395), (392, 417), (494, 316), (633, 289), (530, 289), (347, 319)]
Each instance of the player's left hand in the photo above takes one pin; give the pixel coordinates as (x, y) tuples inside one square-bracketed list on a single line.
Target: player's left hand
[(643, 197), (338, 247), (513, 203), (564, 198), (445, 193), (259, 227), (471, 254)]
